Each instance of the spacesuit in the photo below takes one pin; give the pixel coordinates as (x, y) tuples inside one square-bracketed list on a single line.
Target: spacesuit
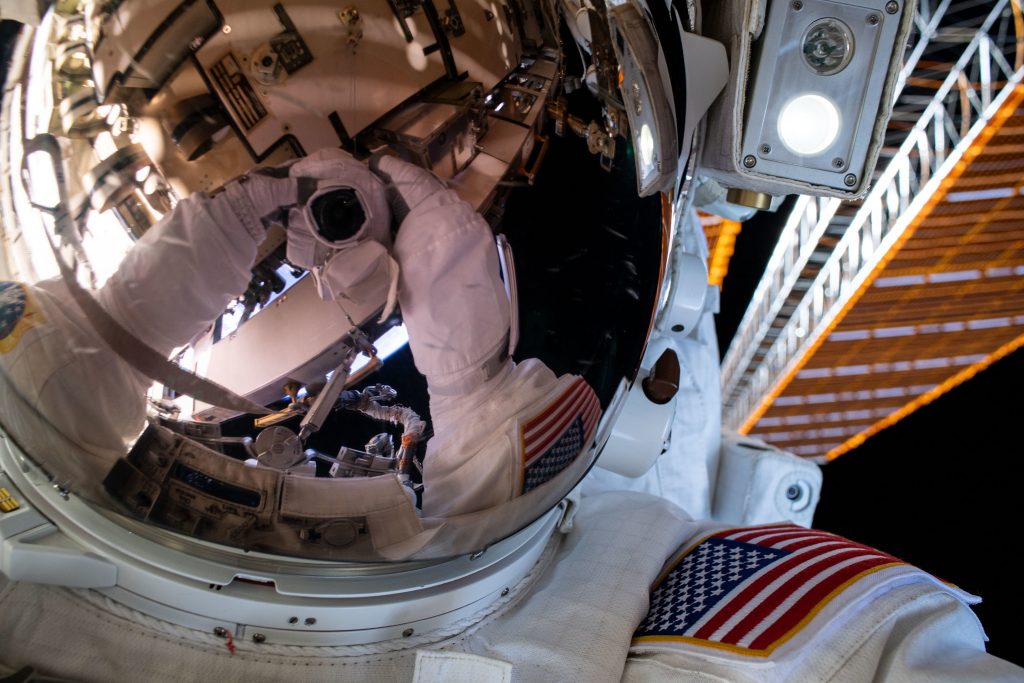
[(630, 587)]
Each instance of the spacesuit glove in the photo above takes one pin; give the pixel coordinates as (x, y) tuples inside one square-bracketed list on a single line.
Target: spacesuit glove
[(263, 197), (408, 186)]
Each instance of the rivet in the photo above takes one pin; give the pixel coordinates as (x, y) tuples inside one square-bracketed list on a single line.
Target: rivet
[(408, 632), (259, 638), (220, 631), (309, 621), (477, 555), (504, 592), (226, 29), (293, 620)]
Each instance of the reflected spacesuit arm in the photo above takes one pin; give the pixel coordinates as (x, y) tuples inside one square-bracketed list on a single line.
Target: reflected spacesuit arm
[(70, 400), (179, 277), (457, 314)]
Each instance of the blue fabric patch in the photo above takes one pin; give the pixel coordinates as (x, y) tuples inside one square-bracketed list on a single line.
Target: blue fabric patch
[(12, 307), (557, 458)]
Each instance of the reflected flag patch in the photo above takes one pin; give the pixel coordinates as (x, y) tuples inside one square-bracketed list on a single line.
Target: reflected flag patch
[(554, 438), (750, 590), (18, 314)]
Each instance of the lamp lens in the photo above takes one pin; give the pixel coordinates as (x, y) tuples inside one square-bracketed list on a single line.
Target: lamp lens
[(646, 146), (828, 46), (808, 124)]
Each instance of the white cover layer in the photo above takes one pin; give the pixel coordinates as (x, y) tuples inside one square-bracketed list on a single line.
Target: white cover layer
[(571, 619), (686, 473), (66, 397), (903, 629), (457, 313)]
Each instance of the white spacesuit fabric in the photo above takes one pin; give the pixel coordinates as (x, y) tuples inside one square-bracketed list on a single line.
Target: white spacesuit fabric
[(686, 473), (450, 290), (455, 308), (573, 617), (570, 619), (80, 403), (828, 610), (344, 268)]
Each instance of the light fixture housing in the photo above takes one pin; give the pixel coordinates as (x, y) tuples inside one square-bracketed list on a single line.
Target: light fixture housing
[(810, 117)]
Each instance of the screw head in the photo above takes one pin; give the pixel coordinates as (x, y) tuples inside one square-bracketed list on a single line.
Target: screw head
[(293, 620), (220, 631), (259, 638), (892, 7), (504, 592), (408, 632), (797, 5), (309, 621), (793, 492), (837, 163), (873, 19), (766, 149), (749, 161), (850, 180)]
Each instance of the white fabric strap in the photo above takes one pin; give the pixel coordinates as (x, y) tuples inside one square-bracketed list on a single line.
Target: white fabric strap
[(459, 667), (143, 357)]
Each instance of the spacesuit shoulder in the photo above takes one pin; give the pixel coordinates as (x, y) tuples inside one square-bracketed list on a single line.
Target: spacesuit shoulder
[(783, 602)]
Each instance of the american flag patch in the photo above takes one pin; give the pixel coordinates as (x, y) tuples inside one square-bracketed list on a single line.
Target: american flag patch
[(750, 590), (554, 438)]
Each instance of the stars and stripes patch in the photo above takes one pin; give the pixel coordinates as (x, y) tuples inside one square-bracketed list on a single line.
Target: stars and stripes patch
[(553, 439), (750, 590), (17, 314)]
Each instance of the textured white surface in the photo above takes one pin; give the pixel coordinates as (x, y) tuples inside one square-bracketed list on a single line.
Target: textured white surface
[(570, 622)]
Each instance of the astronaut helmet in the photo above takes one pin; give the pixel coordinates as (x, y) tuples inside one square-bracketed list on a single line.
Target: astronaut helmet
[(304, 424)]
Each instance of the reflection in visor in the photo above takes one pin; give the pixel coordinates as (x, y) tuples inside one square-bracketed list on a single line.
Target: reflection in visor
[(212, 272)]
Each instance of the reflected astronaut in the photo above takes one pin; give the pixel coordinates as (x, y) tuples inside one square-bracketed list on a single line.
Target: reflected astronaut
[(446, 274), (192, 551)]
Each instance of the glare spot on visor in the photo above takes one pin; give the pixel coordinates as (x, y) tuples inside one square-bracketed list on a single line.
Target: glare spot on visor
[(646, 146), (808, 124)]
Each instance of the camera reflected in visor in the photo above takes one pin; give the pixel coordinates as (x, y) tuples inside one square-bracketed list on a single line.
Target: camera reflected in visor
[(338, 214)]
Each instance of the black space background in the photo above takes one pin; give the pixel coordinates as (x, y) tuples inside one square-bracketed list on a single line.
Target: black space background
[(941, 488)]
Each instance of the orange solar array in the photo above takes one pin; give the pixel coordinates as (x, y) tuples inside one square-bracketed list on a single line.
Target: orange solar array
[(721, 235), (945, 302)]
